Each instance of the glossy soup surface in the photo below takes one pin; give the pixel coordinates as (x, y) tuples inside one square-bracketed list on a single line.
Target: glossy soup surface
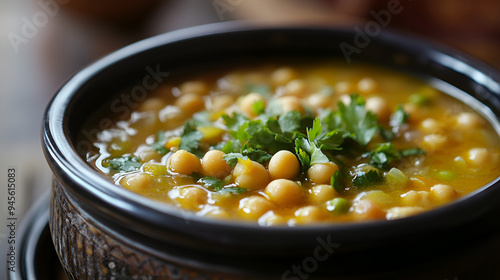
[(297, 143)]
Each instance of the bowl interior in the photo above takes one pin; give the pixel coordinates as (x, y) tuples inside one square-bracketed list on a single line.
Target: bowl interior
[(102, 82)]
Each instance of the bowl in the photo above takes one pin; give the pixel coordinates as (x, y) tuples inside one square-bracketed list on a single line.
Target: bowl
[(104, 232)]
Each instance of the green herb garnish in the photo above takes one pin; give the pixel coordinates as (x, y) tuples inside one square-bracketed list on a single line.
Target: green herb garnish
[(125, 163)]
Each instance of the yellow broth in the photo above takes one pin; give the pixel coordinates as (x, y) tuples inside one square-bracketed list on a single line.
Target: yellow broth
[(451, 149)]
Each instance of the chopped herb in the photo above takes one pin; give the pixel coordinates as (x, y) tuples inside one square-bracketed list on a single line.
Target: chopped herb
[(217, 185), (233, 190), (290, 121), (420, 99), (190, 139), (159, 144), (126, 163), (412, 152), (336, 182), (255, 154), (399, 117), (309, 151), (258, 107), (302, 149), (386, 153), (262, 89), (232, 158), (366, 179), (386, 134), (212, 183), (383, 154), (235, 121), (359, 124)]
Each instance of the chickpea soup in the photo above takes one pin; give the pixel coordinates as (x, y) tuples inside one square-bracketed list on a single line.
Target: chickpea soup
[(299, 143)]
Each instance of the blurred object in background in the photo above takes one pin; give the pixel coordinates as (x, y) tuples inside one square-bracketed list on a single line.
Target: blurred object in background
[(472, 26), (298, 12), (115, 12)]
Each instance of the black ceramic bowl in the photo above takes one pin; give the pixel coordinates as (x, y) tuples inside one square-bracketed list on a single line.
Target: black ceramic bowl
[(102, 231)]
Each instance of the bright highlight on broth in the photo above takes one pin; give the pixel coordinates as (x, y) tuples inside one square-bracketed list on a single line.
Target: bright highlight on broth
[(299, 143)]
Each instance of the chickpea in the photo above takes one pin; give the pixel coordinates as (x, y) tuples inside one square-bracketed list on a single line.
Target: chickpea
[(296, 88), (346, 99), (310, 214), (152, 104), (430, 125), (196, 87), (469, 121), (403, 212), (321, 173), (479, 157), (254, 206), (318, 100), (284, 192), (284, 165), (214, 165), (283, 75), (321, 193), (247, 101), (149, 154), (433, 142), (443, 193), (365, 209), (221, 102), (250, 174), (343, 87), (378, 106), (416, 198), (192, 197), (367, 85), (290, 103), (190, 103), (218, 214), (184, 162), (137, 182), (270, 219)]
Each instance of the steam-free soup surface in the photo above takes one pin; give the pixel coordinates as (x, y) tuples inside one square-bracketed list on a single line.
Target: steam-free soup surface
[(298, 143)]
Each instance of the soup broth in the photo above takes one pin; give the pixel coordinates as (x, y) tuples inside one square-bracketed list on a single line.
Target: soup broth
[(298, 143)]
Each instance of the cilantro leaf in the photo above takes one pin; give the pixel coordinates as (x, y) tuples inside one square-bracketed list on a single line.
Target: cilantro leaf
[(366, 179), (262, 89), (190, 139), (290, 121), (336, 182), (159, 144), (360, 124), (232, 158), (317, 156), (331, 140), (399, 117), (315, 131), (235, 121), (258, 107), (212, 183), (412, 152), (303, 151), (233, 190), (126, 163), (386, 153), (255, 154)]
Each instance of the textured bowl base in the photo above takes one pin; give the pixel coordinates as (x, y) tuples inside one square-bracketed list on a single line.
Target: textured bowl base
[(87, 251)]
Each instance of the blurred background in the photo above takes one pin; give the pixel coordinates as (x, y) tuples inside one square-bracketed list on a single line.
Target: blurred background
[(44, 42)]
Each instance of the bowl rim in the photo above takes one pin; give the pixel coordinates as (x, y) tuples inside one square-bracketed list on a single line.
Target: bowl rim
[(68, 166)]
